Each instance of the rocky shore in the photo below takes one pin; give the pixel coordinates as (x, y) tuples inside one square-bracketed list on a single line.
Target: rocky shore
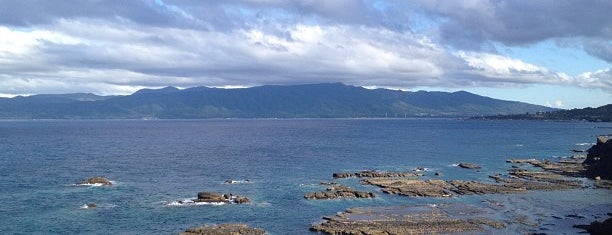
[(426, 219), (554, 175), (411, 187), (224, 229)]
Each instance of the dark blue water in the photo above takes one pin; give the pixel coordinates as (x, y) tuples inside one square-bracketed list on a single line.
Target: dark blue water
[(156, 162)]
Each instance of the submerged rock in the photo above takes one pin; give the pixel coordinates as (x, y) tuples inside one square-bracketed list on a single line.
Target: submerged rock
[(224, 229), (97, 180), (339, 191), (468, 165), (89, 206), (426, 219)]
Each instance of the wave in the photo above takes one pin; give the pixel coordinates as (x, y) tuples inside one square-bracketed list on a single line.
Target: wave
[(93, 206), (114, 183), (455, 164), (245, 181), (191, 202), (418, 169), (584, 144)]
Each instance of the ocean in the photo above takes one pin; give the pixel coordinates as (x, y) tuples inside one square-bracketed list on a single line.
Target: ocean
[(156, 163)]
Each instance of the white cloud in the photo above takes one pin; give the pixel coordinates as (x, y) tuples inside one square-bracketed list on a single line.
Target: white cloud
[(120, 54)]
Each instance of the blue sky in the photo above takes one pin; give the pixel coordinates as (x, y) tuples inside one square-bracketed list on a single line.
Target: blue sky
[(549, 52)]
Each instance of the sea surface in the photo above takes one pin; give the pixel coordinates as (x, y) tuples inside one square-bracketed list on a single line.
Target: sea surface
[(156, 163)]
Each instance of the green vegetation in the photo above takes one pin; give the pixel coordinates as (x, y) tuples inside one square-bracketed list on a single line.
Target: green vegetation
[(333, 100), (600, 114)]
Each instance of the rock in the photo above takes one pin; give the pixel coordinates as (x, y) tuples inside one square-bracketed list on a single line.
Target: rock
[(419, 168), (372, 174), (564, 167), (343, 175), (246, 181), (575, 216), (438, 174), (598, 228), (242, 200), (520, 161), (439, 219), (604, 184), (89, 206), (468, 165), (97, 180), (412, 187), (339, 191), (599, 159), (212, 197), (578, 157), (224, 229)]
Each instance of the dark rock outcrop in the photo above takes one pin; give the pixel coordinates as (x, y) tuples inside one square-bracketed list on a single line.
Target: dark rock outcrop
[(598, 228), (339, 191), (599, 159), (373, 173), (224, 229), (212, 197)]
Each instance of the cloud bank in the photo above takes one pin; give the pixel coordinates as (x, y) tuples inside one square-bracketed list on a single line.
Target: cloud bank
[(117, 47)]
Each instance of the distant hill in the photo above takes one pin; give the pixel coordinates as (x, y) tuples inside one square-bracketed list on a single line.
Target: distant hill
[(330, 100), (600, 114)]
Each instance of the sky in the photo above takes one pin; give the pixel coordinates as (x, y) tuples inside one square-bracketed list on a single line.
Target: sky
[(556, 53)]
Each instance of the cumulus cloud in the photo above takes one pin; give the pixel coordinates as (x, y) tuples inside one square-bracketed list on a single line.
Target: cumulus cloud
[(109, 47), (473, 24)]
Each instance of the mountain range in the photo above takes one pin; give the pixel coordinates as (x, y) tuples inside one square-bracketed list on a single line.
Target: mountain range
[(328, 100)]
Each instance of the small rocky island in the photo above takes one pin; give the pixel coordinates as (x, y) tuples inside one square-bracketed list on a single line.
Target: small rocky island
[(96, 180), (216, 198)]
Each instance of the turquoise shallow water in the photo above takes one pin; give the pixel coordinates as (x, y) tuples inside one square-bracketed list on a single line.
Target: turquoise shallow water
[(160, 161)]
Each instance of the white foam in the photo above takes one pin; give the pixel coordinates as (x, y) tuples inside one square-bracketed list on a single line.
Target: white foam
[(583, 144), (264, 204), (245, 181), (456, 164), (518, 145), (90, 185), (103, 205), (191, 202)]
